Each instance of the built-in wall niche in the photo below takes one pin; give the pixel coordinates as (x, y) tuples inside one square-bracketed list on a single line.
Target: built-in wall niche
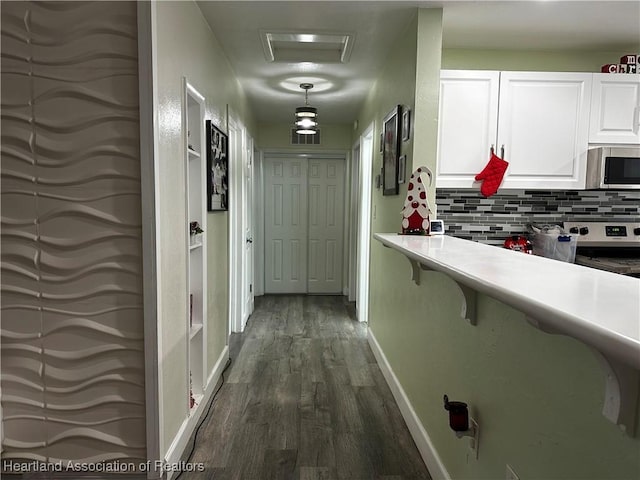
[(195, 188)]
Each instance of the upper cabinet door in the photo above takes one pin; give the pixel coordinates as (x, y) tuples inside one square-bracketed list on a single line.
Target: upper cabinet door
[(615, 108), (543, 124), (467, 125)]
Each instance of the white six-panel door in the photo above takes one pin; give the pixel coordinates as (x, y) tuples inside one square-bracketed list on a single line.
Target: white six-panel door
[(304, 225), (285, 226), (326, 220)]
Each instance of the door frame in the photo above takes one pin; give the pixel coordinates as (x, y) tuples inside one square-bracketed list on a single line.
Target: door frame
[(259, 196), (362, 229), (237, 153), (247, 225), (354, 182)]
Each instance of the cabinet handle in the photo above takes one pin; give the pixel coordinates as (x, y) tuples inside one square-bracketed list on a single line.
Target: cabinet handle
[(636, 119), (502, 152)]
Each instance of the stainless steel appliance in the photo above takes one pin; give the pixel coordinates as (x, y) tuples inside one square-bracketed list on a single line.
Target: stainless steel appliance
[(613, 246), (613, 167)]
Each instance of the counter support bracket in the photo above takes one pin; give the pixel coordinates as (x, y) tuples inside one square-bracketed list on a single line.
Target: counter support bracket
[(469, 305), (415, 270), (469, 295), (621, 393)]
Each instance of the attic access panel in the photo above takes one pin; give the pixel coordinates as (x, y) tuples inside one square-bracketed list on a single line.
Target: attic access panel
[(307, 47)]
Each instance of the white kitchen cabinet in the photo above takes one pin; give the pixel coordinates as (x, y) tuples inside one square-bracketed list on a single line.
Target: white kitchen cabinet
[(615, 109), (543, 123), (541, 119), (468, 120)]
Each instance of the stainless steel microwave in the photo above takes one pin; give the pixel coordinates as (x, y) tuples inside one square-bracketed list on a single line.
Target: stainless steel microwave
[(613, 167)]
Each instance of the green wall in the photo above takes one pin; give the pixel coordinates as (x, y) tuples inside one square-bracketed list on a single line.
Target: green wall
[(537, 397), (533, 60)]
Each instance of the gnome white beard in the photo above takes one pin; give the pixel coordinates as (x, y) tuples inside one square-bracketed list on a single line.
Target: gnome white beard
[(422, 209)]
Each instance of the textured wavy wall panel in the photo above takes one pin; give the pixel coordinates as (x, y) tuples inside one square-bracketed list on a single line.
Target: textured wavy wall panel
[(72, 319)]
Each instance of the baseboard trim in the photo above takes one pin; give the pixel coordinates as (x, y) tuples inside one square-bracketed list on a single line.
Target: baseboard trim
[(423, 442), (177, 448)]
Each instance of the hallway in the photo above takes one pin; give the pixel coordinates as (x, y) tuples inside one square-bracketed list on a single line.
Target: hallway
[(304, 398)]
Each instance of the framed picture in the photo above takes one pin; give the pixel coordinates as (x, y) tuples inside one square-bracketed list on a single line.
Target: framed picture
[(402, 165), (217, 169), (406, 125), (390, 151)]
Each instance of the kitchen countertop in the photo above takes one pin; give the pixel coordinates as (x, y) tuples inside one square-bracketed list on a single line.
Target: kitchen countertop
[(600, 308)]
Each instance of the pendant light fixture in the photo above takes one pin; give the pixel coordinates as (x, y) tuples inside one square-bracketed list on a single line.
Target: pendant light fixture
[(306, 117)]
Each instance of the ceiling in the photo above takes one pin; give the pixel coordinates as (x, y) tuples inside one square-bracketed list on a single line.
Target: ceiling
[(244, 29)]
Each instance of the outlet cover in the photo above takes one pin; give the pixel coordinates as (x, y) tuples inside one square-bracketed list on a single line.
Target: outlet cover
[(475, 440)]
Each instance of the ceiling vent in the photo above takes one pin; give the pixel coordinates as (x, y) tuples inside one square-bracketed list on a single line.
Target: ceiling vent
[(296, 47), (299, 139)]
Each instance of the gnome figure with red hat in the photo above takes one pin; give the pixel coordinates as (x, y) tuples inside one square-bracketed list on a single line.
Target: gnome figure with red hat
[(416, 210)]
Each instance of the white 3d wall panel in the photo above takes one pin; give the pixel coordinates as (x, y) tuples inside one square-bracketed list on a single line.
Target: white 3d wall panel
[(72, 316)]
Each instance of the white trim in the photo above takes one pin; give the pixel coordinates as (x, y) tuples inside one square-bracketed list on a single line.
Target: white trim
[(177, 448), (147, 72), (236, 133), (258, 222), (364, 222), (247, 229), (425, 446), (346, 221), (354, 181)]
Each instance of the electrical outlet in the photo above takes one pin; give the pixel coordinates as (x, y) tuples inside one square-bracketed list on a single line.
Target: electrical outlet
[(511, 475)]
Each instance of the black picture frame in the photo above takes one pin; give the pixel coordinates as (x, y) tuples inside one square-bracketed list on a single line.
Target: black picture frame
[(217, 169), (402, 166), (391, 151)]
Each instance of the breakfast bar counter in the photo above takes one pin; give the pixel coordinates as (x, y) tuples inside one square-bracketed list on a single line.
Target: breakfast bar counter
[(599, 308)]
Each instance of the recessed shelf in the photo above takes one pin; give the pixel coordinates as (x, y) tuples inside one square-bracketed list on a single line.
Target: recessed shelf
[(195, 322)]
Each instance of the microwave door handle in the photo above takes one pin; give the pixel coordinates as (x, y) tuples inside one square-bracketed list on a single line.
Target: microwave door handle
[(636, 119)]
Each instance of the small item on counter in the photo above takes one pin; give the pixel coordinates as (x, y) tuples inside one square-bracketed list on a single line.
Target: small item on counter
[(436, 227), (416, 210), (492, 175), (552, 241), (519, 244)]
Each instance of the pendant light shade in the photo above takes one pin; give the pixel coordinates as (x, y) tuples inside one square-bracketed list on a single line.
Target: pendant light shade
[(310, 112), (306, 119)]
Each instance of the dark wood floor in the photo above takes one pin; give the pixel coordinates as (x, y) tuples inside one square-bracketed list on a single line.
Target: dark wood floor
[(305, 399)]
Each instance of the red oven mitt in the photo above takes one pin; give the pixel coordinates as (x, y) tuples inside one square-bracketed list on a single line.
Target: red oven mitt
[(492, 175)]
